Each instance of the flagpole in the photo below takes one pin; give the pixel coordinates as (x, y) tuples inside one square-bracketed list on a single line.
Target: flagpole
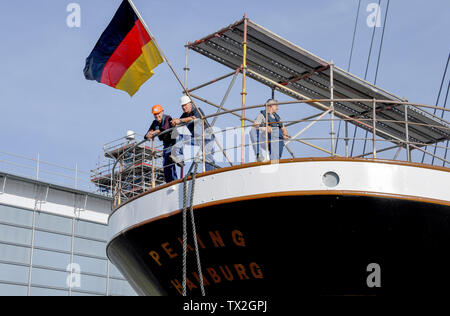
[(160, 50)]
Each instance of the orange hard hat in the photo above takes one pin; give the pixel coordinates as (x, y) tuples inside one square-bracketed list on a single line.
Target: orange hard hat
[(157, 109)]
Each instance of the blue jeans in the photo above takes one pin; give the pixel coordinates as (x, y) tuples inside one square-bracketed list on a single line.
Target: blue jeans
[(259, 143), (170, 172), (276, 154)]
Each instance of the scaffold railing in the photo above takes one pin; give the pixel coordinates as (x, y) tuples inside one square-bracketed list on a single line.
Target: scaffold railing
[(310, 136), (140, 167)]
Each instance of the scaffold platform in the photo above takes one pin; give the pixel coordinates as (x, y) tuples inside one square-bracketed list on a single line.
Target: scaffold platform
[(140, 168)]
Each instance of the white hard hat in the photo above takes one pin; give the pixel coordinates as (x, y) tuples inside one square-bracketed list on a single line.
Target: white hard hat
[(185, 99), (271, 102), (130, 135)]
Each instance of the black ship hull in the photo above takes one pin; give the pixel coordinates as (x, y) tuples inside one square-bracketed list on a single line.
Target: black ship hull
[(319, 243)]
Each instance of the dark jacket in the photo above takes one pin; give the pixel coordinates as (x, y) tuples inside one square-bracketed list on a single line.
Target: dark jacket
[(164, 125)]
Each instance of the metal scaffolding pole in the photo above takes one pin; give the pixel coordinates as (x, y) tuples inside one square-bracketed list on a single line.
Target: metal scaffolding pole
[(186, 67), (218, 106), (346, 138), (332, 107), (212, 81), (379, 151), (153, 165), (226, 95), (203, 147), (374, 134), (308, 126), (37, 167), (408, 153), (244, 92)]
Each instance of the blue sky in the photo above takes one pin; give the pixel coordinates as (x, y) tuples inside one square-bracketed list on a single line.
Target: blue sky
[(47, 106)]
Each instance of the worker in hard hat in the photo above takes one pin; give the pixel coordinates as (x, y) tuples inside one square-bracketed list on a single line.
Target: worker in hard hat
[(160, 124), (276, 133), (190, 114)]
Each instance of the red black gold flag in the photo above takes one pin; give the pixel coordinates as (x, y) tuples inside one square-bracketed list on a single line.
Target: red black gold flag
[(125, 55)]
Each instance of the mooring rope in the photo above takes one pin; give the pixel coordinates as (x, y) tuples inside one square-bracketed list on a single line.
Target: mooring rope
[(191, 209)]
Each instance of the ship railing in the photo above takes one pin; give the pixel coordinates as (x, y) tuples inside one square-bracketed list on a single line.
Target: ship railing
[(320, 134)]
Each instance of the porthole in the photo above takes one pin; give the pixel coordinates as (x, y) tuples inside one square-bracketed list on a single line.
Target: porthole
[(330, 179)]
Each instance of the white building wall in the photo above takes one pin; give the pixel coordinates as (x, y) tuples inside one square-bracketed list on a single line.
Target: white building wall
[(53, 241)]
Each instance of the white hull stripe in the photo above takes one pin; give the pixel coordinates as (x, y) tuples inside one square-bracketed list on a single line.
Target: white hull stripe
[(379, 178)]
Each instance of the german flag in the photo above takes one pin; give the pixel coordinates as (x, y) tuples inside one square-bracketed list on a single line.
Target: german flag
[(125, 55)]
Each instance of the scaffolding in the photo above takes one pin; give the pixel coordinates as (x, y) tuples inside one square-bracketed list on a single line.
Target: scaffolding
[(257, 53), (140, 168), (334, 96)]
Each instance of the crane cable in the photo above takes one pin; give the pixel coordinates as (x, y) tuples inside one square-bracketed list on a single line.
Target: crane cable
[(354, 35), (378, 60), (442, 116), (349, 62), (367, 68), (381, 43), (437, 101)]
